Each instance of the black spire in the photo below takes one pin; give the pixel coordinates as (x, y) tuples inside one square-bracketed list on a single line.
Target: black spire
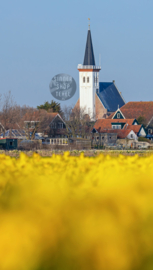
[(89, 58)]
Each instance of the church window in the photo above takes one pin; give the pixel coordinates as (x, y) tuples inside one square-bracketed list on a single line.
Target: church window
[(84, 80), (87, 79)]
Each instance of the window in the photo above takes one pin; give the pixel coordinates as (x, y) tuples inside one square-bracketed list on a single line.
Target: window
[(60, 125), (110, 138), (118, 115), (132, 136), (116, 126), (84, 80), (53, 125), (102, 138), (97, 138), (149, 131), (87, 79), (11, 143)]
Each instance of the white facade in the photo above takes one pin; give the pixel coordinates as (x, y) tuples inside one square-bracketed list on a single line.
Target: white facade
[(88, 85), (132, 135), (142, 133)]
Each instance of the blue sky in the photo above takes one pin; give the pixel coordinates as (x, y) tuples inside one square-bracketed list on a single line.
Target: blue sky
[(39, 39)]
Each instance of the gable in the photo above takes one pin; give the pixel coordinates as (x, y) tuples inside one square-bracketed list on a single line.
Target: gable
[(142, 132), (57, 120), (118, 115)]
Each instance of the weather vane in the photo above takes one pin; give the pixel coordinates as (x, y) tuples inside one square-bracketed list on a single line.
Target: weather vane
[(89, 22)]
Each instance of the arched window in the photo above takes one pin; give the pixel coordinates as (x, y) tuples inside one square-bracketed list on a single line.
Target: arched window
[(84, 80), (87, 79)]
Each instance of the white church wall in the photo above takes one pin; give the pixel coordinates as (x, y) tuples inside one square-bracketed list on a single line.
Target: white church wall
[(88, 90)]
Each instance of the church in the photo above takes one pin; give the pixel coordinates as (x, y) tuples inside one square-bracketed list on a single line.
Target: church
[(97, 99)]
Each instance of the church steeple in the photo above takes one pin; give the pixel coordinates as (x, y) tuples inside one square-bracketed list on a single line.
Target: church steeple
[(89, 59)]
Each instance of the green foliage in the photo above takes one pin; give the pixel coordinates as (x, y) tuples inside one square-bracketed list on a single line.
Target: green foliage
[(52, 106), (142, 139), (141, 120)]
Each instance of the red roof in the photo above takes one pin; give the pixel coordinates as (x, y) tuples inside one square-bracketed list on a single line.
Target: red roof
[(102, 124), (136, 109), (121, 133), (135, 128), (38, 115)]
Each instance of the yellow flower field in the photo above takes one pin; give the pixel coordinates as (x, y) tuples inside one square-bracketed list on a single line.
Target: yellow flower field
[(76, 213)]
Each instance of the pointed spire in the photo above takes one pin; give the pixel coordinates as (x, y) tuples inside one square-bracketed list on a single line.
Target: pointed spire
[(89, 59)]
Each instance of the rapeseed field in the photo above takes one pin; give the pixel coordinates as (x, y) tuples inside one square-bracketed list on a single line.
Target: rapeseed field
[(76, 213)]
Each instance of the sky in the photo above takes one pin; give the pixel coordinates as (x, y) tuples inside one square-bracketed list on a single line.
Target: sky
[(39, 39)]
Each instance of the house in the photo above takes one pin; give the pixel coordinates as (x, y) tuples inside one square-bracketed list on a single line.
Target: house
[(8, 143), (98, 99), (104, 138), (106, 131), (138, 130), (142, 111), (40, 122), (119, 124)]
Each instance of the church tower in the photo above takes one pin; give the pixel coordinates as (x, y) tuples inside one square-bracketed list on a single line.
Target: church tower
[(88, 79)]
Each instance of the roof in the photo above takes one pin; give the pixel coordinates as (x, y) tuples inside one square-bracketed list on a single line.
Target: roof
[(14, 133), (135, 128), (37, 115), (110, 96), (89, 58), (137, 109), (107, 123), (121, 133)]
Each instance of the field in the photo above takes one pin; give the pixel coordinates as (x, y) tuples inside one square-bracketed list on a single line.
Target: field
[(87, 153), (76, 213)]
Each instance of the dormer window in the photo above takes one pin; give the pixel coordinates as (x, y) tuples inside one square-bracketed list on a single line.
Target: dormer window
[(84, 79), (116, 127), (118, 115), (87, 79)]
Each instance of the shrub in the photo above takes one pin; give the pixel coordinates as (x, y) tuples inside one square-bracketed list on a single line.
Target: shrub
[(142, 139)]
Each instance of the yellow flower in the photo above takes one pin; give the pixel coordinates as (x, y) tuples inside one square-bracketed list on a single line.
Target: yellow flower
[(87, 213)]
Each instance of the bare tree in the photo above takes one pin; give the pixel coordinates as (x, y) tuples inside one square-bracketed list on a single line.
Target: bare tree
[(11, 114), (78, 122)]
